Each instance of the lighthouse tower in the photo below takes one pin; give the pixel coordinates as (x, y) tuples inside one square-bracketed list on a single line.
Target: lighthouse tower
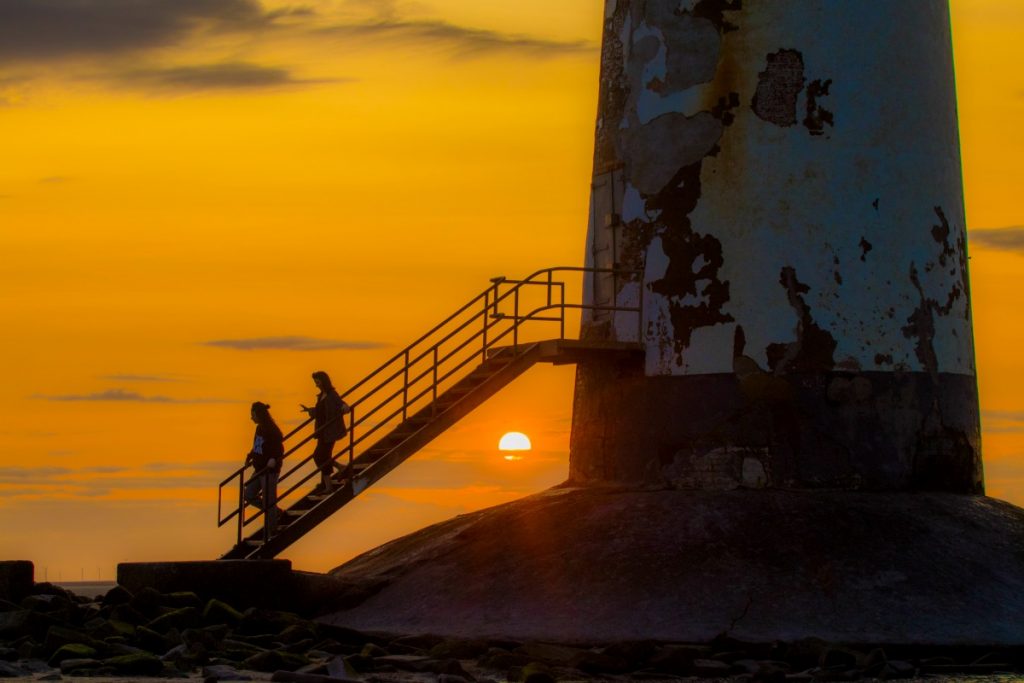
[(777, 221), (779, 185)]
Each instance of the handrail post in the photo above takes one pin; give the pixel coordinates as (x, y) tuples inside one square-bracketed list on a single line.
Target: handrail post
[(433, 403), (561, 309), (487, 305), (405, 388), (241, 504), (515, 320), (496, 283), (351, 441)]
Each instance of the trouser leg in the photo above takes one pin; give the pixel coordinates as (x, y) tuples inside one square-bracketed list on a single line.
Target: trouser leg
[(253, 488), (270, 500), (322, 457)]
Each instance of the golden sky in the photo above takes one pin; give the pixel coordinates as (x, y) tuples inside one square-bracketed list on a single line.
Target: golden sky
[(202, 201)]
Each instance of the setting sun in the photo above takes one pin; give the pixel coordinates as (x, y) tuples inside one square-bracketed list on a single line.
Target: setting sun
[(512, 443)]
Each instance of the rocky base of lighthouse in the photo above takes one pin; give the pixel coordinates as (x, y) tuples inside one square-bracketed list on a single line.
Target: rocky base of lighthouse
[(605, 564)]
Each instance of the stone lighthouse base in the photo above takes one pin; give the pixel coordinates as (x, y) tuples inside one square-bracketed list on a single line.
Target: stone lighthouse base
[(601, 565)]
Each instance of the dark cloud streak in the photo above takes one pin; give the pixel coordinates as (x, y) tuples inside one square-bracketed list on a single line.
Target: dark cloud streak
[(293, 344), (1002, 421), (232, 76), (1003, 239), (462, 41), (120, 395), (58, 29), (139, 378)]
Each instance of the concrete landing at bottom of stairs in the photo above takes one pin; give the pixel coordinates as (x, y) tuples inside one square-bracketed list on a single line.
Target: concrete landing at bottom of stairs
[(602, 565)]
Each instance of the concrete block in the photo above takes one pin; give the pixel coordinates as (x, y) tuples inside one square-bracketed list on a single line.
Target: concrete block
[(16, 579)]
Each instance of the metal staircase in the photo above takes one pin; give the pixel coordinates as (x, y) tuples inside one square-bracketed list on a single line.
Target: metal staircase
[(422, 391)]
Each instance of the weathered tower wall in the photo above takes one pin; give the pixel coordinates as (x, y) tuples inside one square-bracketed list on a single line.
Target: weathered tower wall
[(784, 178)]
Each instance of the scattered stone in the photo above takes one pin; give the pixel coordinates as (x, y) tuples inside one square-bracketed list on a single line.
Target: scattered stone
[(635, 654), (14, 623), (458, 649), (598, 663), (710, 668), (58, 636), (372, 650), (448, 678), (272, 660), (8, 670), (29, 649), (296, 633), (417, 663), (256, 621), (770, 672), (110, 628), (118, 595), (677, 659), (836, 657), (806, 653), (422, 643), (181, 599), (128, 614), (536, 672), (52, 676), (148, 602), (149, 639), (502, 660), (143, 664), (297, 677), (222, 672), (558, 655), (897, 669), (86, 664), (339, 667), (360, 663), (72, 651), (183, 618)]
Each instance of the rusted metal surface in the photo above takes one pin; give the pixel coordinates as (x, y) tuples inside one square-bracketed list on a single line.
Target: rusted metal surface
[(787, 177)]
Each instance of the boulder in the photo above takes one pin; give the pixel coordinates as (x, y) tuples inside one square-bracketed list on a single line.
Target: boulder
[(183, 618), (72, 651), (9, 670), (57, 636), (142, 664), (80, 666), (258, 621), (223, 672), (220, 612), (118, 595), (14, 624), (558, 655), (272, 660), (459, 648)]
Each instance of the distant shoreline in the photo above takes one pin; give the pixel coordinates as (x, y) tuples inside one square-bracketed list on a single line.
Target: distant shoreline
[(90, 589)]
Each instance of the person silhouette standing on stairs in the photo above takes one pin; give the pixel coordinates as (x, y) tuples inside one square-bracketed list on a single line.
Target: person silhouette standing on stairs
[(266, 457), (329, 422)]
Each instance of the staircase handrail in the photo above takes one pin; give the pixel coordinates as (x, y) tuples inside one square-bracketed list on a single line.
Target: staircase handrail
[(400, 363)]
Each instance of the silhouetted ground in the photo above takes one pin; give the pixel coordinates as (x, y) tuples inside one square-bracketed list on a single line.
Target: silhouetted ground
[(603, 565)]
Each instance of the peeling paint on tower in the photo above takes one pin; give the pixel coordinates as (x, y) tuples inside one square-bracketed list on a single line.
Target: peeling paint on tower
[(796, 213)]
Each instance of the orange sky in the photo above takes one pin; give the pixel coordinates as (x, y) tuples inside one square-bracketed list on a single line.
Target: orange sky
[(345, 174)]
